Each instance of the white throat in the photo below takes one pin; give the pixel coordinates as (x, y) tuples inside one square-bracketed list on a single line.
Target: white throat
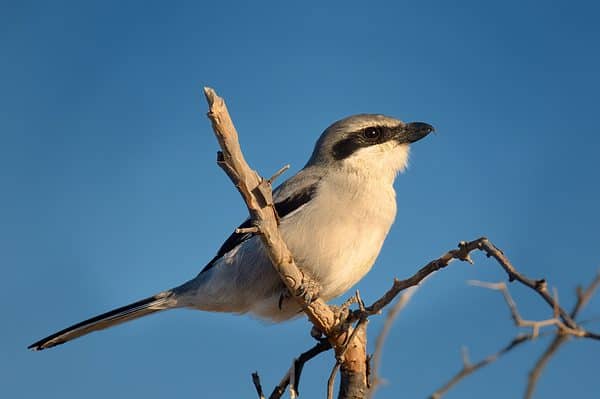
[(380, 162)]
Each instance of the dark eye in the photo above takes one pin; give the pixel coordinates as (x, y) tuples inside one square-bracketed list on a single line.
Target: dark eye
[(372, 133)]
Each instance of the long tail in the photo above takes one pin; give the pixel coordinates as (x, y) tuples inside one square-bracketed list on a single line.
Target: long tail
[(156, 303)]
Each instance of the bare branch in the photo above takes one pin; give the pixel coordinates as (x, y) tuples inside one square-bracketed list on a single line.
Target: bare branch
[(257, 385), (535, 325), (583, 297), (562, 335), (381, 338), (331, 379), (539, 286), (247, 230), (353, 367), (536, 372), (462, 253), (278, 173), (469, 368), (298, 365)]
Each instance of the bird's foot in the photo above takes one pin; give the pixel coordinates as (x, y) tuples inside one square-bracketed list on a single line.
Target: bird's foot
[(309, 290)]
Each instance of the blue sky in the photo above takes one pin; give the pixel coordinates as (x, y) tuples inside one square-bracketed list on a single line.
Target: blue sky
[(110, 191)]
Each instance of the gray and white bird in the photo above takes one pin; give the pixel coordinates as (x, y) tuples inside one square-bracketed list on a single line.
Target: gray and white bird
[(335, 214)]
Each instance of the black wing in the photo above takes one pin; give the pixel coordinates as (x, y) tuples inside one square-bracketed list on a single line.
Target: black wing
[(283, 208)]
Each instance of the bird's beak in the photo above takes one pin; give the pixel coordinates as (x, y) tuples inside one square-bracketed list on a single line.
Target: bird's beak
[(413, 131)]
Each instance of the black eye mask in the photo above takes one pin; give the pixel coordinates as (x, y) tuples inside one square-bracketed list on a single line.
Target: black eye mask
[(372, 135)]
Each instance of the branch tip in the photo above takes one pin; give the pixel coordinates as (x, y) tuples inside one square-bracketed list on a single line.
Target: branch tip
[(281, 171), (210, 95)]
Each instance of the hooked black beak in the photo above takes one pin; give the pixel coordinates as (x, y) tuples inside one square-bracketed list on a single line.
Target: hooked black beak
[(414, 131)]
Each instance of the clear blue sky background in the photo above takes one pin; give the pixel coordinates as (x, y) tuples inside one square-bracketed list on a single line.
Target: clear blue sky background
[(109, 190)]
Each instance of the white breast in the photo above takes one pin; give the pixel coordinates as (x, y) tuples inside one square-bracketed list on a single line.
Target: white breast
[(337, 236)]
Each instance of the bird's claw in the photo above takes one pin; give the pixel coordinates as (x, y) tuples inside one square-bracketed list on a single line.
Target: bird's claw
[(308, 291)]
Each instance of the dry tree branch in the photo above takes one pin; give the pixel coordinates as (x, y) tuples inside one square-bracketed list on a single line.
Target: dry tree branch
[(331, 380), (353, 362), (297, 366), (463, 253), (583, 297), (470, 368), (537, 370), (381, 338), (562, 335), (535, 325), (539, 286), (257, 385)]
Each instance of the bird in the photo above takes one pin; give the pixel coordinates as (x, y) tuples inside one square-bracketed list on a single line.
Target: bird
[(335, 214)]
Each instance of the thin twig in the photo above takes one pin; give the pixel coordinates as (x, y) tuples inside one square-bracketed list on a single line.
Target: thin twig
[(320, 347), (535, 325), (536, 372), (469, 368), (340, 355), (561, 335), (381, 338), (331, 379), (257, 385), (583, 297), (247, 230), (462, 253), (293, 392), (539, 286), (278, 173)]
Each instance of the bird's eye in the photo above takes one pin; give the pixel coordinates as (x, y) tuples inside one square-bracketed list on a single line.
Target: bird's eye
[(372, 133)]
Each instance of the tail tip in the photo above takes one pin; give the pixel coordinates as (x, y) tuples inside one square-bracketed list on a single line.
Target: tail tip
[(34, 347), (43, 344)]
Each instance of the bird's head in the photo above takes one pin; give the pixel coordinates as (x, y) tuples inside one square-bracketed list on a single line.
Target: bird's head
[(376, 144)]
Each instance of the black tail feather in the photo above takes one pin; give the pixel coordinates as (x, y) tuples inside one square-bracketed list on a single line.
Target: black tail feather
[(132, 311)]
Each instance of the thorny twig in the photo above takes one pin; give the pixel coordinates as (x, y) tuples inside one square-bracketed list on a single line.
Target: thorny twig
[(562, 334), (535, 325), (583, 297), (463, 253)]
